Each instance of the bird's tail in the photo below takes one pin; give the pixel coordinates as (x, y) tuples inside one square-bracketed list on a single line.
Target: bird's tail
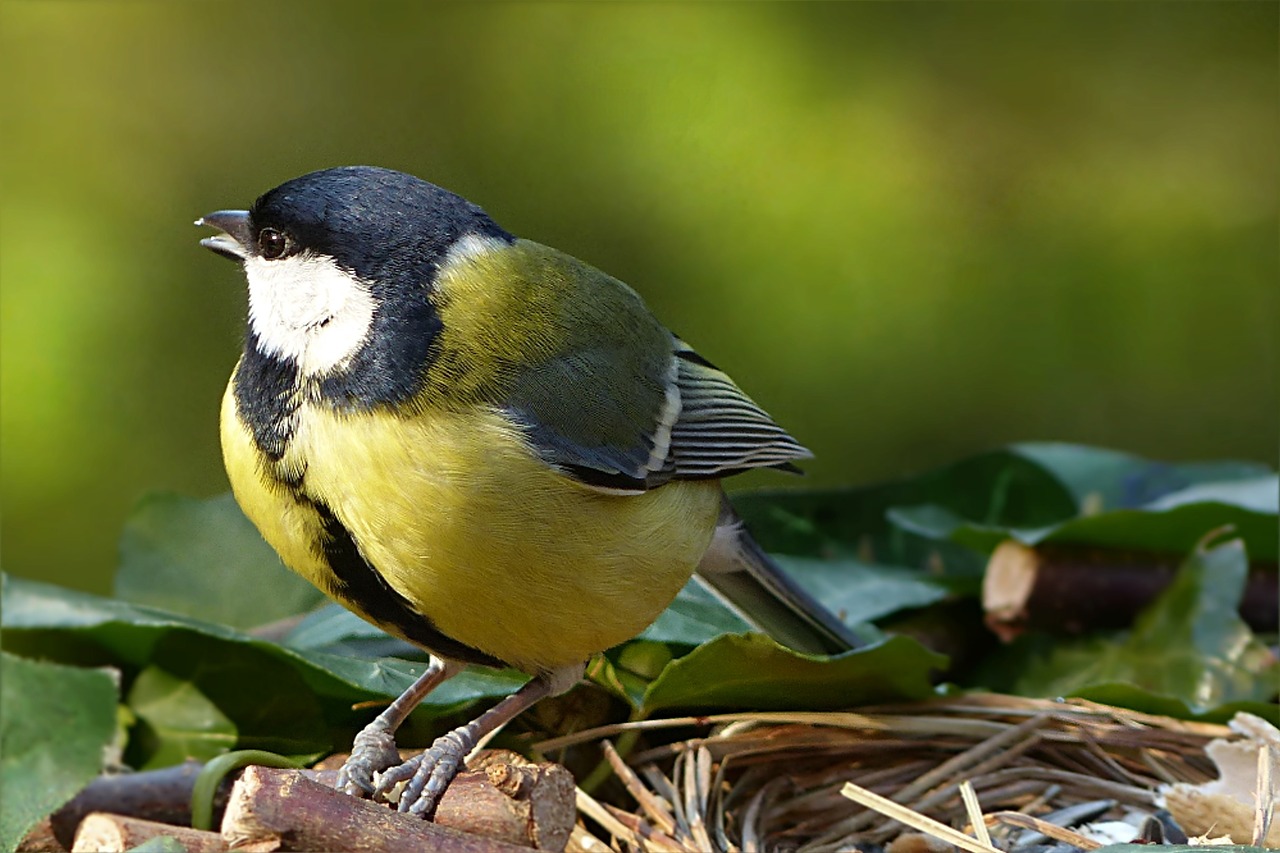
[(742, 575)]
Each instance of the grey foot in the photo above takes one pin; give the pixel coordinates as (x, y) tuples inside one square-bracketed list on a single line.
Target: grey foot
[(374, 751), (428, 775)]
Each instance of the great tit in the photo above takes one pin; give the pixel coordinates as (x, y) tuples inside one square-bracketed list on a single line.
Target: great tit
[(482, 445)]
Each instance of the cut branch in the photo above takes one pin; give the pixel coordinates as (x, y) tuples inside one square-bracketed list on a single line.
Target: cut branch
[(531, 805), (163, 796), (1079, 589), (113, 833)]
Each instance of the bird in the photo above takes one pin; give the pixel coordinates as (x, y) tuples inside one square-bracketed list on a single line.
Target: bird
[(482, 445)]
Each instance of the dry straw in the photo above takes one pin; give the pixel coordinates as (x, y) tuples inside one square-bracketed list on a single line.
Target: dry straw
[(980, 772)]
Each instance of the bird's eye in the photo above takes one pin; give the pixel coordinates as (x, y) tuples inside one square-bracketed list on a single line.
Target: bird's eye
[(272, 244)]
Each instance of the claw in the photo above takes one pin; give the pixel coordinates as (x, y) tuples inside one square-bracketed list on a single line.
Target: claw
[(392, 776), (374, 751), (427, 775), (431, 772)]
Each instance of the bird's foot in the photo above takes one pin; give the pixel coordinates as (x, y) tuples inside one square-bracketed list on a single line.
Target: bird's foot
[(427, 774), (373, 751)]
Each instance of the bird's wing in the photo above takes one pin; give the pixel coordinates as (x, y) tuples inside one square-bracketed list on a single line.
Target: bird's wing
[(628, 424), (719, 430), (599, 418), (609, 396)]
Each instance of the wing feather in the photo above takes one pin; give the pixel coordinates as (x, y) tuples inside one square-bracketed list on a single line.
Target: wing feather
[(611, 399), (720, 430)]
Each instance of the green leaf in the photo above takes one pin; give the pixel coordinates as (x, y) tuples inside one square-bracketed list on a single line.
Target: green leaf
[(175, 721), (193, 705), (627, 686), (1129, 696), (628, 670), (863, 592), (39, 617), (857, 591), (477, 683), (1256, 494), (1172, 524), (1035, 491), (1103, 479), (204, 558), (1191, 642), (1188, 652), (55, 722), (335, 630), (694, 617), (1009, 487), (752, 671)]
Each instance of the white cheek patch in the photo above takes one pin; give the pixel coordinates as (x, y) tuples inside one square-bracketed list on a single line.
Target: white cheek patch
[(306, 309)]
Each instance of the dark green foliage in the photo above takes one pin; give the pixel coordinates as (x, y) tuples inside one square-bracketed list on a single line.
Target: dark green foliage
[(193, 687), (55, 723)]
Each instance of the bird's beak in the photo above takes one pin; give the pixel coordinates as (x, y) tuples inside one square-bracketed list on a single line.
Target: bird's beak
[(235, 239)]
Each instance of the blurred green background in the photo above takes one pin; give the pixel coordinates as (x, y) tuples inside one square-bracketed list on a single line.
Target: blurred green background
[(911, 231)]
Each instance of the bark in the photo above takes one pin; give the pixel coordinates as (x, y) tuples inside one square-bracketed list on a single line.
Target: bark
[(506, 804), (112, 833), (1074, 590)]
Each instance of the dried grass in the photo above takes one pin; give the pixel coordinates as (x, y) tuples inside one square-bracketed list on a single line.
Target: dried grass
[(835, 781)]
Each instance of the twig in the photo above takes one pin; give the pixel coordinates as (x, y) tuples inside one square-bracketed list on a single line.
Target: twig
[(975, 813), (645, 835), (593, 809), (1050, 791), (112, 833), (1075, 589), (501, 795), (507, 797), (696, 774), (915, 820), (163, 796), (651, 803), (1015, 753), (1264, 803), (628, 827), (1057, 833), (752, 837), (943, 774), (720, 789), (274, 809)]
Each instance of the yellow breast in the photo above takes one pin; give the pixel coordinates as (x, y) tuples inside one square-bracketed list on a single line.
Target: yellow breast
[(498, 550)]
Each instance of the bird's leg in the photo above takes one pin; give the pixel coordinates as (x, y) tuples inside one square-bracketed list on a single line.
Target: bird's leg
[(374, 749), (430, 773)]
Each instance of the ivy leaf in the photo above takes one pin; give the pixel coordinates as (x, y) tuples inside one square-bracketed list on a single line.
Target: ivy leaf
[(204, 558), (1189, 653), (753, 671), (55, 723)]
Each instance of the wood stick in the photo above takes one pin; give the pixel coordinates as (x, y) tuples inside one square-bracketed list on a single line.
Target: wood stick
[(273, 809), (1052, 830), (500, 795), (582, 841), (652, 804), (915, 820), (100, 832), (1075, 589), (505, 796), (163, 796)]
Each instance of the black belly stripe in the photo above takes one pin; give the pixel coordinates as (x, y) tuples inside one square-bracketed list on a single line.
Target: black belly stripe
[(370, 595), (267, 396), (265, 389)]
